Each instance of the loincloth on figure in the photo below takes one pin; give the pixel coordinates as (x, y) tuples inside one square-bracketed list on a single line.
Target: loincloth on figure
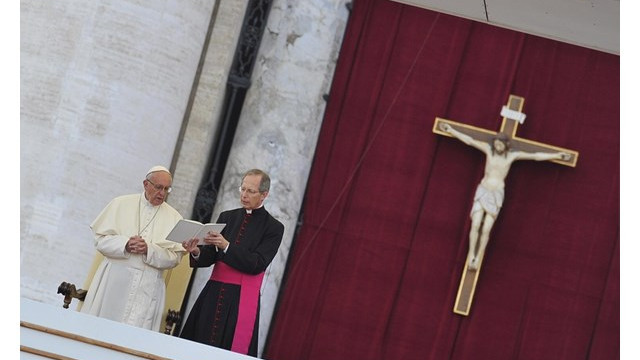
[(488, 200)]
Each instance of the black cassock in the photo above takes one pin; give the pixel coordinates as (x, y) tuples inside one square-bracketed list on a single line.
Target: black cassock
[(254, 240)]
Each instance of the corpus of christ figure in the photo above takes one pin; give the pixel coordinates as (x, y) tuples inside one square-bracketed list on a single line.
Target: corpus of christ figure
[(501, 148), (490, 192)]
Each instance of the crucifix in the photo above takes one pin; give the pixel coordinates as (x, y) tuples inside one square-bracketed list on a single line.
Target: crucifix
[(501, 149)]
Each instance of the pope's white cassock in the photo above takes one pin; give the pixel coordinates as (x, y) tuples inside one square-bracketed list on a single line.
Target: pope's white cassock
[(127, 287)]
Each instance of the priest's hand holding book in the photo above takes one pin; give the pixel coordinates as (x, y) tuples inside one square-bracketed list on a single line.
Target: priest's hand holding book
[(196, 234), (211, 238)]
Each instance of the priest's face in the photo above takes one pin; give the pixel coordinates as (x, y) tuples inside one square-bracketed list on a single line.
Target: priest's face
[(157, 187), (250, 195)]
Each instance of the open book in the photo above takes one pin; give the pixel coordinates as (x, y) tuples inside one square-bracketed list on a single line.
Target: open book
[(189, 229)]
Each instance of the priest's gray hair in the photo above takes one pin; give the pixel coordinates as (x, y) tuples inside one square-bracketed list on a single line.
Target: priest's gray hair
[(265, 180)]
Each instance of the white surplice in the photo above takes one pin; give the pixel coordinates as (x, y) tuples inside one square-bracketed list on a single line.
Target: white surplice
[(126, 287)]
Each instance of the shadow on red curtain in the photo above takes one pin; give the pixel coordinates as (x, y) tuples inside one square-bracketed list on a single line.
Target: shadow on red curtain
[(377, 263)]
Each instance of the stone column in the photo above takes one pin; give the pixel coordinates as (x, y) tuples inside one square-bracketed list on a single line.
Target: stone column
[(203, 116)]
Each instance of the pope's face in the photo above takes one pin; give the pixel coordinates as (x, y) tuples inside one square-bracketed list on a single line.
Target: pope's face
[(155, 188), (250, 195)]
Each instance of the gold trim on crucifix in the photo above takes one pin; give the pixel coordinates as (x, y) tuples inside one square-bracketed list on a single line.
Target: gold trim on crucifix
[(492, 186), (509, 127)]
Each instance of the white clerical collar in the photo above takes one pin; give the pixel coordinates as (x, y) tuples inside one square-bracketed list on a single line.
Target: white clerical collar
[(250, 210)]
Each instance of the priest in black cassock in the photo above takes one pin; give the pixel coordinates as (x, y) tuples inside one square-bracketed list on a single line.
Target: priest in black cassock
[(227, 311)]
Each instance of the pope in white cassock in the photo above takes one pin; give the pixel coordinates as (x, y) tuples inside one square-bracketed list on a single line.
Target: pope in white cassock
[(131, 232)]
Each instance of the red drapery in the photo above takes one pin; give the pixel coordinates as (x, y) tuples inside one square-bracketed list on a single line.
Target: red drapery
[(376, 265)]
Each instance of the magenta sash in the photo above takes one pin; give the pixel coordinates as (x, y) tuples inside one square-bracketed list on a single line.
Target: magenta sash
[(248, 308)]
